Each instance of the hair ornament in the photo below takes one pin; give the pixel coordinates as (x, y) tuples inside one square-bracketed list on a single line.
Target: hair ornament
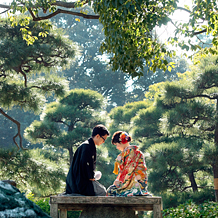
[(124, 137)]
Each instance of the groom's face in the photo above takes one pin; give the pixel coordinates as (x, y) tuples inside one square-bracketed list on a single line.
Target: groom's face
[(100, 139)]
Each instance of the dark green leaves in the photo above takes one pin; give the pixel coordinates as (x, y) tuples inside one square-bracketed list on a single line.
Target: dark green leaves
[(128, 30)]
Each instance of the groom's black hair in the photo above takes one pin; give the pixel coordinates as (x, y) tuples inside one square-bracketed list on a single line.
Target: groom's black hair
[(101, 130)]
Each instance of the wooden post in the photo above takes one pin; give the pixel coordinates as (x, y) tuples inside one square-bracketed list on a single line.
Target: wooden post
[(54, 210), (157, 211), (63, 213)]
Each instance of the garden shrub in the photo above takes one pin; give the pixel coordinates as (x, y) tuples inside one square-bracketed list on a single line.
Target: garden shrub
[(43, 203), (73, 214), (192, 210), (175, 199)]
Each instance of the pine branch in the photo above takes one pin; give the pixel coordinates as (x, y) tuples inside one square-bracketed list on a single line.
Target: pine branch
[(18, 130), (212, 96), (3, 74), (210, 129), (4, 6), (193, 33), (60, 121), (60, 11), (25, 78)]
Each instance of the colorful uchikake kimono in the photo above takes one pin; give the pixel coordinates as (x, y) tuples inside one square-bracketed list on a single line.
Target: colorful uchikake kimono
[(132, 177)]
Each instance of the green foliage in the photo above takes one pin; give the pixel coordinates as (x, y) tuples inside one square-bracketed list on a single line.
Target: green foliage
[(146, 123), (129, 28), (191, 101), (163, 163), (105, 164), (123, 114), (201, 10), (43, 203), (91, 70), (190, 209), (210, 151), (73, 214), (192, 107), (68, 122), (174, 158), (46, 53), (31, 171), (150, 79), (129, 35), (176, 198), (8, 129), (25, 78)]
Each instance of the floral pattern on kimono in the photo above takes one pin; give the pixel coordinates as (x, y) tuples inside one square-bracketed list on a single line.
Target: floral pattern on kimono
[(132, 177)]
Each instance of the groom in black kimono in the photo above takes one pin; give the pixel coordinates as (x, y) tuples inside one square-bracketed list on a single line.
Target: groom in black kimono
[(80, 178)]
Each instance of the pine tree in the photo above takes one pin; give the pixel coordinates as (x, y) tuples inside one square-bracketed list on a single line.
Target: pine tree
[(25, 79), (193, 102), (68, 122)]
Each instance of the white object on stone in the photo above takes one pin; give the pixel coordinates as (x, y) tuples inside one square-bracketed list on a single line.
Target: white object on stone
[(97, 175)]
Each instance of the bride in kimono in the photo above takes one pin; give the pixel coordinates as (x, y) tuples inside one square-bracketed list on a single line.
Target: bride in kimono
[(130, 167)]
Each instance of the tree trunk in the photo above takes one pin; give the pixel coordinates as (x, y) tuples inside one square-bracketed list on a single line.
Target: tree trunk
[(18, 130), (215, 164), (215, 173), (193, 182), (70, 149)]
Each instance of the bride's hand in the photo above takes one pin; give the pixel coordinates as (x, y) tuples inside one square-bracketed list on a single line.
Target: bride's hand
[(117, 183)]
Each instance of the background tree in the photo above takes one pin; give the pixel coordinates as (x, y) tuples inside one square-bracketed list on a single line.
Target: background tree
[(121, 120), (140, 85), (173, 159), (34, 170), (129, 28), (193, 103), (8, 129), (25, 78), (91, 70), (175, 155), (176, 165), (129, 32), (68, 122)]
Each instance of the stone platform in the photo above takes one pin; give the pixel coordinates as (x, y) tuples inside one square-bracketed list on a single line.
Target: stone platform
[(105, 207)]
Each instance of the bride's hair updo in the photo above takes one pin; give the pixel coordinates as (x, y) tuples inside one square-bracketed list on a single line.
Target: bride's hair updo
[(121, 137)]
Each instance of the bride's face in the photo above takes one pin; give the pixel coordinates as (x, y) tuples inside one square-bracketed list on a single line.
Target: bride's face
[(120, 146)]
